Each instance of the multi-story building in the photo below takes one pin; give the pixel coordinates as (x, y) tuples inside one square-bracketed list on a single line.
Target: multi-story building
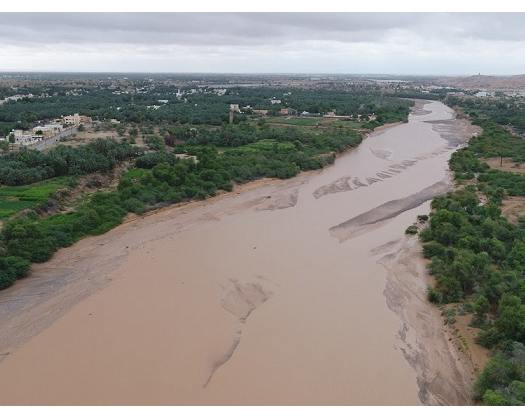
[(76, 119), (47, 130), (25, 137)]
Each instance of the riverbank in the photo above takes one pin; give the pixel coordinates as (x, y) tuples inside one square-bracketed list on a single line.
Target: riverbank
[(245, 298)]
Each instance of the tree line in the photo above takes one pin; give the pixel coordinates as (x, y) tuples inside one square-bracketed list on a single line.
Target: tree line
[(478, 259)]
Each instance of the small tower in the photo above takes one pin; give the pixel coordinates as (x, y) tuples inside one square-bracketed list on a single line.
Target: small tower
[(234, 107)]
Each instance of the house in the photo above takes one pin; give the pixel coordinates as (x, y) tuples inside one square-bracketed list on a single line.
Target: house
[(275, 101), (330, 114), (76, 119), (287, 111), (262, 112), (234, 107), (16, 98), (164, 101), (25, 137), (47, 130), (185, 156)]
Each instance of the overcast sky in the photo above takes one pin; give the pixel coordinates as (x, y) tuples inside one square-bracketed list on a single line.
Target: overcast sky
[(395, 43)]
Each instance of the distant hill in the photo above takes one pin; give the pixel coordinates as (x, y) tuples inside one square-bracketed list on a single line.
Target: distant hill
[(485, 82)]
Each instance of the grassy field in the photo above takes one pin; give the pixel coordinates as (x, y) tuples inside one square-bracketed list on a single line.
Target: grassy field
[(134, 173), (16, 198), (313, 122), (296, 121), (347, 124), (266, 145)]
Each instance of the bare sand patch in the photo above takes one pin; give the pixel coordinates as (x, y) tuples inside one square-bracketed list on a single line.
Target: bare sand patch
[(359, 224), (506, 165), (513, 208), (445, 373)]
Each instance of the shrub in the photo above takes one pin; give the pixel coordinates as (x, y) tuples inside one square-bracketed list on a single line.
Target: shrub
[(412, 230)]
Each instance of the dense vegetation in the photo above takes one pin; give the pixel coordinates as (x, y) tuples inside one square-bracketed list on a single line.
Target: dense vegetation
[(29, 166), (502, 110), (197, 106), (478, 258)]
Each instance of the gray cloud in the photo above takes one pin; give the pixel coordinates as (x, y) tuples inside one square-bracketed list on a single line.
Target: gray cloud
[(348, 42)]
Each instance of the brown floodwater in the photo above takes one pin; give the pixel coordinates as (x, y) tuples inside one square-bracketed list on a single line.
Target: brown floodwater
[(304, 291)]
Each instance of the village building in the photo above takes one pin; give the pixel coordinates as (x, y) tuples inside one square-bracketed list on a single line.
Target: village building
[(287, 111), (25, 137), (76, 119), (47, 130), (482, 94)]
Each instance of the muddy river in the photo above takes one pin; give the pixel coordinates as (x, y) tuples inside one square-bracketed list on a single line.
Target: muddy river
[(304, 291)]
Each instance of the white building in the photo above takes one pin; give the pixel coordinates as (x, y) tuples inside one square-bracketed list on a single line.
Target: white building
[(234, 107), (16, 98), (25, 137), (47, 130), (71, 119), (76, 119), (275, 101)]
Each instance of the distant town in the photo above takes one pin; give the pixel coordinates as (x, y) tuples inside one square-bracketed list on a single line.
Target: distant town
[(151, 94)]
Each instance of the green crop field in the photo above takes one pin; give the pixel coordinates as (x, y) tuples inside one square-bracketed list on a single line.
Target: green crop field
[(301, 122), (16, 198), (314, 121), (134, 173)]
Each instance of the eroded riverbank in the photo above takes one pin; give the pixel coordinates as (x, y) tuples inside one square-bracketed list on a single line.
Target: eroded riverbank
[(266, 296)]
